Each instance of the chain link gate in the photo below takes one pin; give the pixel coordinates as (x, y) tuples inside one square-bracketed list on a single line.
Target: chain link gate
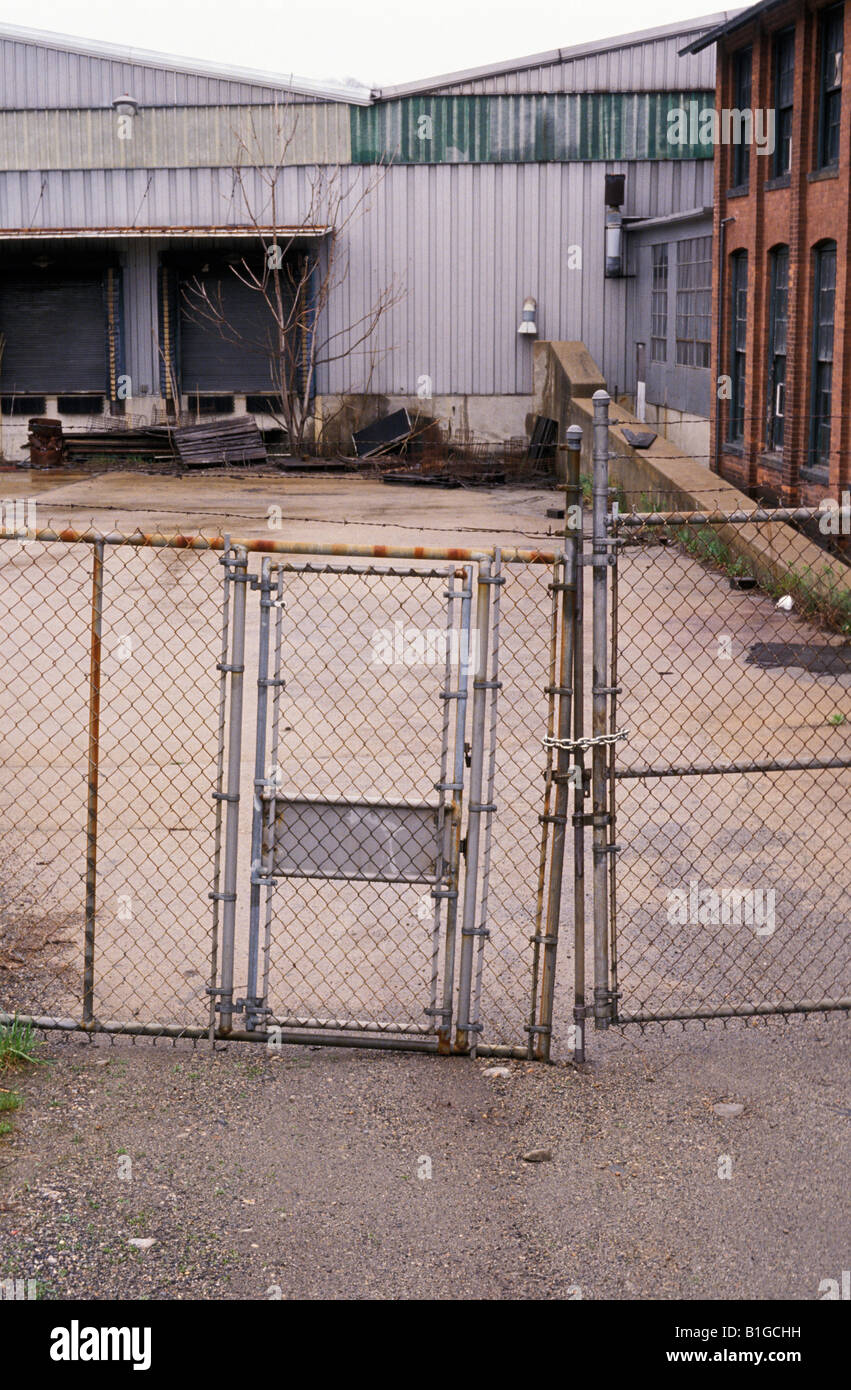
[(347, 850), (721, 880)]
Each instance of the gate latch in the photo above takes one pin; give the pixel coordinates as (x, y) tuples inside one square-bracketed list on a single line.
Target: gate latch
[(599, 821)]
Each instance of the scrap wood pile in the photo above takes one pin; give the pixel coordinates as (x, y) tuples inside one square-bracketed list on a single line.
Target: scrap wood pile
[(235, 440)]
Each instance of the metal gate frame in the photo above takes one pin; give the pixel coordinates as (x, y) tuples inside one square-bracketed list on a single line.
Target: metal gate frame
[(462, 968), (601, 781)]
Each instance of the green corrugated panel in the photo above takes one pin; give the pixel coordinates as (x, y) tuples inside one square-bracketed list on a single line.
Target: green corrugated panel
[(523, 128), (422, 130)]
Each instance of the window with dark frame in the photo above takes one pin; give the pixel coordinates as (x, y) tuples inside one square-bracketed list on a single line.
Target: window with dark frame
[(742, 70), (831, 26), (777, 336), (784, 87), (694, 301), (659, 304), (821, 393), (738, 337)]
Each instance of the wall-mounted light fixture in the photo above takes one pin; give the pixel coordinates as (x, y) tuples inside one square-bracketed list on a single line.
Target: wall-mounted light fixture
[(527, 321), (125, 105)]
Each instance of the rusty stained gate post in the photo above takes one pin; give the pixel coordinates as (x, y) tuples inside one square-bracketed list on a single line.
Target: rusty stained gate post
[(93, 779), (541, 1032), (601, 558)]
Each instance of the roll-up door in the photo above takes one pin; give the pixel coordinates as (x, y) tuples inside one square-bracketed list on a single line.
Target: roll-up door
[(55, 330), (242, 359)]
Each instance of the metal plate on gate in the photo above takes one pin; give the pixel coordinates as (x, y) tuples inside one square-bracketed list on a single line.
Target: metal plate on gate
[(381, 842)]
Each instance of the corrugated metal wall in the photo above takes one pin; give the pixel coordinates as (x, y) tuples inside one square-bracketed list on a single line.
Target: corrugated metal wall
[(140, 263), (650, 66), (464, 242), (468, 243), (36, 77), (178, 138), (521, 129), (416, 130)]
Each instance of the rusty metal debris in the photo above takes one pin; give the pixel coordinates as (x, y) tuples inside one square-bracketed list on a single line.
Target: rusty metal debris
[(45, 442)]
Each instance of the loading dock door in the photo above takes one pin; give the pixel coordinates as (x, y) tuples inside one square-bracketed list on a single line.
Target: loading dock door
[(55, 330), (237, 359)]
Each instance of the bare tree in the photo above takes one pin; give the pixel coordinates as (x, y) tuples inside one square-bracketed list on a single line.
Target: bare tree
[(296, 270)]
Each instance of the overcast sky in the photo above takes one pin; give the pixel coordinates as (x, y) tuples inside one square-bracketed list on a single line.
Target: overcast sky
[(378, 42)]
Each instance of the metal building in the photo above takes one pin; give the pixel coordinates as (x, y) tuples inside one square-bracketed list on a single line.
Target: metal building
[(123, 173)]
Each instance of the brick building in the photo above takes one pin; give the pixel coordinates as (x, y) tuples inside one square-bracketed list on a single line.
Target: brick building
[(781, 422)]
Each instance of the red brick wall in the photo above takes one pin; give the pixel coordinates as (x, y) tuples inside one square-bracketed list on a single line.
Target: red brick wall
[(799, 216)]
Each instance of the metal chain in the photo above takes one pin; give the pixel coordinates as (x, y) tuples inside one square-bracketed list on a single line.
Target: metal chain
[(573, 743)]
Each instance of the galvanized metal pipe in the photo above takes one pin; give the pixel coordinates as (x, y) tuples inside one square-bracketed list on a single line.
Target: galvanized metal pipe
[(490, 798), (433, 1010), (613, 849), (474, 805), (579, 1006), (239, 578), (719, 518), (453, 877), (802, 1006), (599, 708), (267, 851), (221, 725), (260, 785), (93, 780), (716, 770), (567, 662)]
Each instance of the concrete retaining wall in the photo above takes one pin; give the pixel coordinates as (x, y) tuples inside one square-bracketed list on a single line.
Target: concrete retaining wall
[(662, 478)]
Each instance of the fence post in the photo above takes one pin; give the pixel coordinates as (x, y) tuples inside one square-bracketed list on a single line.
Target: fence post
[(262, 783), (96, 633), (580, 788), (444, 1034), (562, 774), (474, 806), (238, 576), (599, 709)]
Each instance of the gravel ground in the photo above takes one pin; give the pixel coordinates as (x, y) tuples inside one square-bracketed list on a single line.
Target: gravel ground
[(296, 1175)]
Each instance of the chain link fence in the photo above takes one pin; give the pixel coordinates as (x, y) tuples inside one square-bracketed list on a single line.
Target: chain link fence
[(733, 791), (333, 793), (117, 700), (108, 734)]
